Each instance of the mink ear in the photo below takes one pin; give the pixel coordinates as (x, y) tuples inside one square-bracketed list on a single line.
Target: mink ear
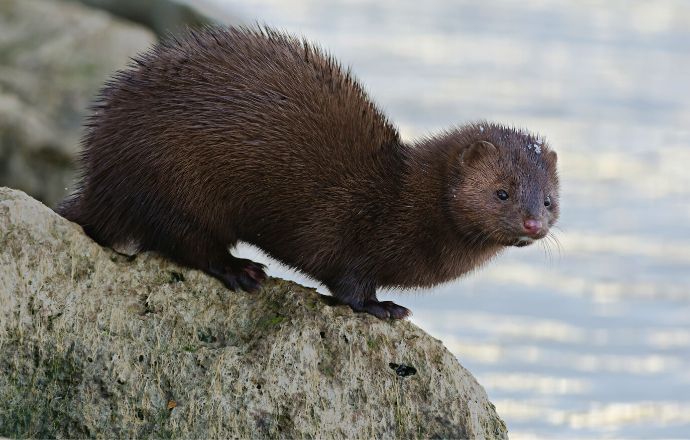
[(553, 157), (476, 151)]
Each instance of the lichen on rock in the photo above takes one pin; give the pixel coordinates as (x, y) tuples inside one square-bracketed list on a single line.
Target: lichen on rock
[(95, 344)]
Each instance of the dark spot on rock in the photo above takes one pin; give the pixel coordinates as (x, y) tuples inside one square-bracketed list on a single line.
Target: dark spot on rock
[(146, 307), (258, 386), (103, 388), (206, 336), (51, 319), (89, 359), (176, 277), (323, 334), (403, 370), (347, 341), (141, 358), (140, 414)]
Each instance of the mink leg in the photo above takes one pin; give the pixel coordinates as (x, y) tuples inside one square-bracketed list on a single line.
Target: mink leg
[(361, 297), (200, 251)]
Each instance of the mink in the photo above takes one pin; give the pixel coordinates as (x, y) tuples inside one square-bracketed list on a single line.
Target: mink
[(250, 134)]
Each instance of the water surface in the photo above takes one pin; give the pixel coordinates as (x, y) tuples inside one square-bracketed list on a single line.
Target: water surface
[(590, 340)]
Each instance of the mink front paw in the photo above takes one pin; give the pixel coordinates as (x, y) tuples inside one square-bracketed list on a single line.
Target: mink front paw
[(382, 309), (244, 274)]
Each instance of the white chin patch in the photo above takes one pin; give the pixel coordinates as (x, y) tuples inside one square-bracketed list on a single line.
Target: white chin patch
[(130, 247)]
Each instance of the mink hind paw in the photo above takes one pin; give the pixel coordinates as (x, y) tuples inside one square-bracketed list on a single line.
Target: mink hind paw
[(382, 309), (242, 274)]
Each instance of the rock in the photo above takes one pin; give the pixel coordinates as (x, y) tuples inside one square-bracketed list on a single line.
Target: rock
[(94, 344), (54, 56), (161, 16)]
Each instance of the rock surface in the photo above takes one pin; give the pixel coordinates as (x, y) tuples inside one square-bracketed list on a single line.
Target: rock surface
[(96, 344), (54, 56)]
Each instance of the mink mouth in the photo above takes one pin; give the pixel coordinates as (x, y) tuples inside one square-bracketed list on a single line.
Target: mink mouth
[(523, 241)]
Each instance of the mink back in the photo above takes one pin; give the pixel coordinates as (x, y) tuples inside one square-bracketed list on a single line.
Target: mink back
[(238, 133)]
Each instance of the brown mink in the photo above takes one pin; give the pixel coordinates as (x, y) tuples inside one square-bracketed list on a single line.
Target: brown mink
[(250, 134)]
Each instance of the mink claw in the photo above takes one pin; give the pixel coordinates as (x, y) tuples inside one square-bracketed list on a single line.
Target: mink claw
[(382, 309), (255, 271), (395, 311), (247, 276)]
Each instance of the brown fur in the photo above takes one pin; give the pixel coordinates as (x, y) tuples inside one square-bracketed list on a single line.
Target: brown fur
[(254, 135)]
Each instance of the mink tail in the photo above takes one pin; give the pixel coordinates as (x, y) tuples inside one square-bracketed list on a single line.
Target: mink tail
[(71, 209)]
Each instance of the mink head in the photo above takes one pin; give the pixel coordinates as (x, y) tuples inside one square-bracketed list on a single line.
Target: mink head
[(505, 186)]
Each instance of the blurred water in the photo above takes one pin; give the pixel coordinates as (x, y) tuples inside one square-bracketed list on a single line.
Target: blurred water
[(593, 340)]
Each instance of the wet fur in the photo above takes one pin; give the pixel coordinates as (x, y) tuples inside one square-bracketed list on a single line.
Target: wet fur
[(250, 134)]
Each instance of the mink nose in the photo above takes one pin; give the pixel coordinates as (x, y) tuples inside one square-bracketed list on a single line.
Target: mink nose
[(532, 227)]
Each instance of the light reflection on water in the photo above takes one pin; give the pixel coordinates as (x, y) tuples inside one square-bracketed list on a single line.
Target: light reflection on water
[(593, 339)]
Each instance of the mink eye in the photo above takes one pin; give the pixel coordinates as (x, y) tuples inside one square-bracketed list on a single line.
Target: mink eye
[(547, 201), (502, 194)]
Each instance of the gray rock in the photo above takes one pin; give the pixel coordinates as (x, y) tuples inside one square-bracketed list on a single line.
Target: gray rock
[(161, 16), (54, 56), (93, 344)]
